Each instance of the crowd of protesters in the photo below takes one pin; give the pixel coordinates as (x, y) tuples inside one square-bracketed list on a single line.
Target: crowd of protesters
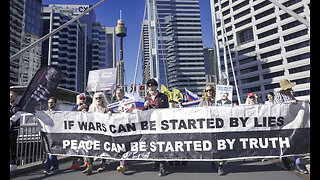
[(153, 100)]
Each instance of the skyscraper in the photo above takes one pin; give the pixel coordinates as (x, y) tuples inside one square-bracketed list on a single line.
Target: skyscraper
[(80, 47), (176, 49), (30, 61), (67, 48), (145, 53), (267, 44), (16, 32)]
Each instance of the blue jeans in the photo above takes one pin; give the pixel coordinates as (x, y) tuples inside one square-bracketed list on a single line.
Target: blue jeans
[(297, 159), (51, 161)]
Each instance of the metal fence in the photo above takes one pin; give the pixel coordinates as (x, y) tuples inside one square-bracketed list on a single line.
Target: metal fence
[(29, 144)]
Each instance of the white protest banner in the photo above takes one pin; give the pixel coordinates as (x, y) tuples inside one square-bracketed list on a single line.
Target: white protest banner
[(192, 134), (102, 79)]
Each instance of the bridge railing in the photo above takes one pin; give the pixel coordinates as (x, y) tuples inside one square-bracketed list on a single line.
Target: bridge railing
[(29, 144)]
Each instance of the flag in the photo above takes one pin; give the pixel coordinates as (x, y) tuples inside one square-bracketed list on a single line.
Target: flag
[(176, 94), (40, 89), (166, 91), (138, 101), (191, 96)]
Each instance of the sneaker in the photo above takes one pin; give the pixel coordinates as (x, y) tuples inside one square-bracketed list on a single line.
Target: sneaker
[(162, 172), (13, 167), (102, 167), (47, 173), (221, 170), (74, 166), (301, 169), (121, 169), (88, 170)]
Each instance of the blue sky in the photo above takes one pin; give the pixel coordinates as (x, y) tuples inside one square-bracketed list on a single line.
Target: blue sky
[(108, 14)]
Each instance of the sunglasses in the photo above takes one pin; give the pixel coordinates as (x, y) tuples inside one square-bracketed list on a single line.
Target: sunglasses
[(82, 98), (98, 97), (209, 90)]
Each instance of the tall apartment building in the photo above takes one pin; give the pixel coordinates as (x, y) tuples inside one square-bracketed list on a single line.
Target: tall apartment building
[(82, 46), (111, 47), (176, 50), (16, 32), (67, 48), (145, 53), (31, 60), (266, 43), (103, 47)]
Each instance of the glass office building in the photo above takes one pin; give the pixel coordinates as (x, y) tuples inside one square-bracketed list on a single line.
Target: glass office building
[(67, 48), (82, 46), (16, 31), (176, 49), (30, 61), (103, 47)]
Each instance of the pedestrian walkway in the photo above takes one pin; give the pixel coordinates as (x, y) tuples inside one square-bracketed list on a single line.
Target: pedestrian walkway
[(138, 170)]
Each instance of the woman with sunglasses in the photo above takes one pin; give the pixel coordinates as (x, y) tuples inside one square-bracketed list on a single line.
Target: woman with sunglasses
[(81, 105), (99, 104), (208, 99), (208, 96)]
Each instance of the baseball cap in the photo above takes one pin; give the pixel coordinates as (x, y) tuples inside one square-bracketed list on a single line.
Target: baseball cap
[(82, 95), (152, 82)]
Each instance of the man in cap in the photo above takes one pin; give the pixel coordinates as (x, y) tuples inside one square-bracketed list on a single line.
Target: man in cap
[(81, 103), (286, 95), (155, 100)]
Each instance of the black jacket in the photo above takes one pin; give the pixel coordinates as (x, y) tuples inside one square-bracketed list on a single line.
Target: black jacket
[(161, 100), (13, 109)]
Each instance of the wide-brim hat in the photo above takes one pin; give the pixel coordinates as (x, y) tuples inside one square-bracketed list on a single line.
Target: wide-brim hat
[(286, 84)]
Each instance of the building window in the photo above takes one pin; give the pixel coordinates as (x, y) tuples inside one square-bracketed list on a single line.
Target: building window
[(269, 43), (299, 69), (297, 46), (272, 75), (272, 64), (245, 36)]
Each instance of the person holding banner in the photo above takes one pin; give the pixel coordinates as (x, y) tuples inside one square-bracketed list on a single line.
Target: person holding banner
[(208, 99), (270, 97), (119, 96), (52, 160), (251, 99), (99, 104), (14, 125), (81, 105), (286, 95), (155, 100)]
